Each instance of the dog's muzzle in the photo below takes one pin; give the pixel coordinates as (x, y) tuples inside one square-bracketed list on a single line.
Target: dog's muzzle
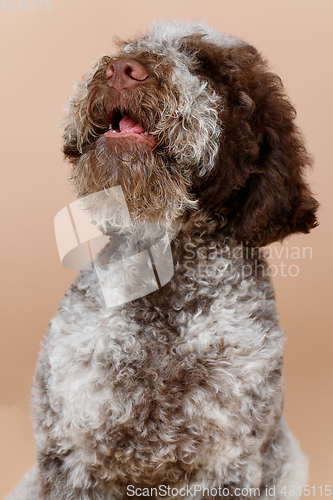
[(125, 74)]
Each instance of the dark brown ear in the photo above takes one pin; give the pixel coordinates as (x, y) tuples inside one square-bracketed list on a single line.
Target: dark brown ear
[(258, 184)]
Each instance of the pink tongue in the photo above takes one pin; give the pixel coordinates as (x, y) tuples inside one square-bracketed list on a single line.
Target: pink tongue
[(126, 124)]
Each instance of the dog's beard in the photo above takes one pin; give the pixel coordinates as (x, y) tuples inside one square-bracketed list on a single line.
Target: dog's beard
[(155, 191)]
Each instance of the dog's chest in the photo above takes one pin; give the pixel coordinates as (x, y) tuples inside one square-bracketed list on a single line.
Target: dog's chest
[(129, 378), (166, 378)]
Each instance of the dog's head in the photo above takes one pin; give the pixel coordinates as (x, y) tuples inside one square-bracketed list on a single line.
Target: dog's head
[(192, 125)]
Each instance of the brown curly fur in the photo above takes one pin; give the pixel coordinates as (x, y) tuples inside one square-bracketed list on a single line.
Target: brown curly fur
[(258, 182)]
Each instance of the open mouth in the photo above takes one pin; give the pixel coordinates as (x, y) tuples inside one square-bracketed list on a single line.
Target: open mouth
[(125, 126)]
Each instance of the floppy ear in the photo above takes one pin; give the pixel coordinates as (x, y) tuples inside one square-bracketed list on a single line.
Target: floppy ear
[(258, 183)]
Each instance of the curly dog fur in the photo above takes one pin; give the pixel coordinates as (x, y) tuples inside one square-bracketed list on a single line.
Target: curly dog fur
[(181, 388)]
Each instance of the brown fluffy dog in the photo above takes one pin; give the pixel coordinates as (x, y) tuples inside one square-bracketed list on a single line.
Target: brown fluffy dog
[(178, 393)]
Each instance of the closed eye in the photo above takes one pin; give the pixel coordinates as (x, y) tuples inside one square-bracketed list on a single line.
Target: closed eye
[(209, 86)]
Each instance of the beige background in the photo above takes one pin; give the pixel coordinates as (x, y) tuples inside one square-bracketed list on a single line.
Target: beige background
[(42, 53)]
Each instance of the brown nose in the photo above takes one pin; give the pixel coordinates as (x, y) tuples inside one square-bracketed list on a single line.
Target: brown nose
[(125, 73)]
